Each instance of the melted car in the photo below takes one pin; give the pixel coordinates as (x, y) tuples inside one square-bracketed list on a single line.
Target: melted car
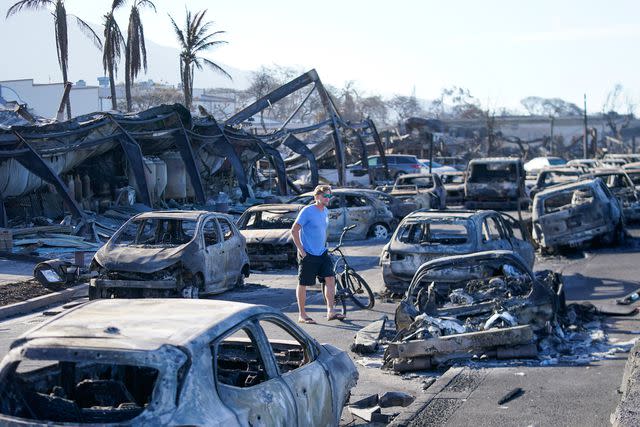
[(171, 253), (267, 230), (554, 176), (576, 213), (371, 217), (427, 235), (454, 186), (173, 362)]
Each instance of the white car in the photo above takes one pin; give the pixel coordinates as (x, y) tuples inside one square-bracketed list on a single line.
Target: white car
[(538, 163), (436, 167)]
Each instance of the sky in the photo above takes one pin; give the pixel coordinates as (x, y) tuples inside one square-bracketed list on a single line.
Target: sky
[(502, 51)]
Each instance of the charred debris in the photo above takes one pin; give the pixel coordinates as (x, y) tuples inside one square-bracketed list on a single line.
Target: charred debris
[(96, 171)]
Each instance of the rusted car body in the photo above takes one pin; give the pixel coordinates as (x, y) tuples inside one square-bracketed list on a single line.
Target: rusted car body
[(427, 235), (267, 231), (174, 362), (554, 176), (484, 301), (623, 188), (398, 208), (425, 190), (576, 213), (171, 253), (494, 183), (371, 217), (454, 186)]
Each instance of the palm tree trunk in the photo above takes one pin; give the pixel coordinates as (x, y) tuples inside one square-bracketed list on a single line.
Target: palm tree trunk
[(68, 100), (112, 85), (127, 77), (186, 84)]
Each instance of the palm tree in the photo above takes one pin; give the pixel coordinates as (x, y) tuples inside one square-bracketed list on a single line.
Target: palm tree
[(194, 39), (135, 50), (113, 43), (59, 14)]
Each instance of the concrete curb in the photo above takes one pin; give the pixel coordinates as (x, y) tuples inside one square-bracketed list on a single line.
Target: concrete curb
[(43, 301), (627, 413), (411, 411)]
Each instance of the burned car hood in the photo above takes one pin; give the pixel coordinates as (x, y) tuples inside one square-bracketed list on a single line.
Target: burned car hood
[(138, 259), (280, 236)]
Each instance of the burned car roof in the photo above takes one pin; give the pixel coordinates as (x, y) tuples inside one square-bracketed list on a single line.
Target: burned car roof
[(496, 160), (188, 215), (476, 256), (284, 207), (140, 324), (563, 187)]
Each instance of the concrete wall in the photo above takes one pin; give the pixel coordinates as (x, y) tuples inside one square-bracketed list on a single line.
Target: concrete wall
[(44, 99)]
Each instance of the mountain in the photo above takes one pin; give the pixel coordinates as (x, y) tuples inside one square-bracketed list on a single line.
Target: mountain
[(29, 51)]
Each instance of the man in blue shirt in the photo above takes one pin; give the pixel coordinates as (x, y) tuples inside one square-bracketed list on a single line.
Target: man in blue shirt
[(309, 234)]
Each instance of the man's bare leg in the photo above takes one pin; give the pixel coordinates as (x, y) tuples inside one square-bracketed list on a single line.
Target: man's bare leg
[(330, 294), (301, 296)]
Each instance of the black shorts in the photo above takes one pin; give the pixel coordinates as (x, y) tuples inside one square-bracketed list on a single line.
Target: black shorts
[(312, 266)]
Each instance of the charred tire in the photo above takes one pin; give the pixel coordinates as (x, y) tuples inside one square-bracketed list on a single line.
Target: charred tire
[(358, 290), (399, 174), (190, 292), (94, 293), (240, 282), (379, 231)]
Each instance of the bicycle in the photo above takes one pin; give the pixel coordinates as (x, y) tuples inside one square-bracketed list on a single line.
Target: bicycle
[(350, 286)]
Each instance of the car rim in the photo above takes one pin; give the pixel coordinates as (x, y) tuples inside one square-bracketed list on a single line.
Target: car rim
[(380, 231)]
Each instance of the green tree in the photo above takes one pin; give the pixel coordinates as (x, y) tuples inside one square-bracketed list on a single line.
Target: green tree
[(135, 49), (60, 15), (195, 38), (112, 48)]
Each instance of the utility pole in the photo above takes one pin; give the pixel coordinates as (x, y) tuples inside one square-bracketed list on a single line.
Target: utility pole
[(430, 136), (551, 142), (633, 144), (584, 141)]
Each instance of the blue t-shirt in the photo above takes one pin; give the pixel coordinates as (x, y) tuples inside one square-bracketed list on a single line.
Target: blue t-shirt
[(314, 223)]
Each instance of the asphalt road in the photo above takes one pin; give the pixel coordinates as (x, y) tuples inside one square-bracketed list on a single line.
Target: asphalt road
[(557, 395)]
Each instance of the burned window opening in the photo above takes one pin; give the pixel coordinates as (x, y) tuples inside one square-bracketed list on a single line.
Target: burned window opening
[(237, 360), (75, 392), (434, 232)]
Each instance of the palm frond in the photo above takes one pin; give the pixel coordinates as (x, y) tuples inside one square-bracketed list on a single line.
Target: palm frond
[(26, 5), (88, 31), (217, 68), (117, 4), (178, 32), (147, 3)]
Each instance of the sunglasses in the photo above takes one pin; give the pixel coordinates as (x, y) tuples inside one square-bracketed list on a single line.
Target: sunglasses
[(327, 196)]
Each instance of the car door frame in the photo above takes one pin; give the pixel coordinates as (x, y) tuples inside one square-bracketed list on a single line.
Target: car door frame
[(338, 222), (501, 244), (233, 262), (522, 247), (214, 278), (274, 385), (298, 379), (362, 226)]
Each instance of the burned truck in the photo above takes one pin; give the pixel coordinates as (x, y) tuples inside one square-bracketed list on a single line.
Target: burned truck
[(495, 183), (623, 188), (171, 253), (576, 213), (173, 362), (425, 190), (482, 303)]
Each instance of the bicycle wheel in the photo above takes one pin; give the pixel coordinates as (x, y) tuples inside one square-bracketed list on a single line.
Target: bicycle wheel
[(357, 289)]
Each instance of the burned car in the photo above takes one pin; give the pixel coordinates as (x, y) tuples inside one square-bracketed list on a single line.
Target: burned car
[(480, 302), (426, 235), (554, 176), (495, 183), (371, 217), (171, 253), (622, 188), (454, 186), (425, 190), (267, 231), (576, 213), (159, 362)]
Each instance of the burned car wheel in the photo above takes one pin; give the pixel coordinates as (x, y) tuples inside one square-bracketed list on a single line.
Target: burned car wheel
[(190, 292), (379, 231)]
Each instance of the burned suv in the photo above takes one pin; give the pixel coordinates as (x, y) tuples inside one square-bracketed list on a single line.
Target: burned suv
[(426, 235), (171, 253), (575, 213), (494, 183), (424, 189)]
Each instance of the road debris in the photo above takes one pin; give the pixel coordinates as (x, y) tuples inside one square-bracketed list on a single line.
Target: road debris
[(368, 338), (513, 394)]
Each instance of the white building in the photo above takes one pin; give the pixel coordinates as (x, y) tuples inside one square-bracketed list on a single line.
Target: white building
[(44, 99)]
